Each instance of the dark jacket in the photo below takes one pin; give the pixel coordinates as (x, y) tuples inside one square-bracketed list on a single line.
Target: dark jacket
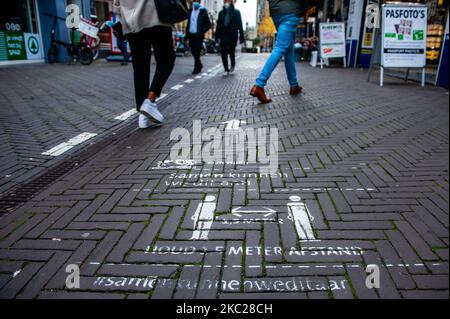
[(279, 7), (229, 34), (118, 31), (203, 23)]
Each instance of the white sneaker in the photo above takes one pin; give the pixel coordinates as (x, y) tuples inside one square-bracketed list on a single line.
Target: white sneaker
[(150, 110), (226, 73), (144, 122)]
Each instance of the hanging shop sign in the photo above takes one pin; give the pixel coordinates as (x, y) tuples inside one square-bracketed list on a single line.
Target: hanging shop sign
[(404, 28), (332, 40)]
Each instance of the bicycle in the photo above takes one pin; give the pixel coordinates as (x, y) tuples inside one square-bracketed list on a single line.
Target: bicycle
[(93, 42), (78, 52)]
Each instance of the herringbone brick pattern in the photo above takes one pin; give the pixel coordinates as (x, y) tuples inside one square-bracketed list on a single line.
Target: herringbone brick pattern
[(369, 164), (42, 106)]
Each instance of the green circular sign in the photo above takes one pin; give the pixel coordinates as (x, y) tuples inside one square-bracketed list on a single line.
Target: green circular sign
[(33, 45)]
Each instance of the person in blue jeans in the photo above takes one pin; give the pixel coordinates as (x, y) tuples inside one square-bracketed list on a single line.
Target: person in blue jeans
[(286, 17)]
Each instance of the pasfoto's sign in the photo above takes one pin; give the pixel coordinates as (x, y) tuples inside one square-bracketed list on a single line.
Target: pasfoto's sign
[(404, 29), (332, 40)]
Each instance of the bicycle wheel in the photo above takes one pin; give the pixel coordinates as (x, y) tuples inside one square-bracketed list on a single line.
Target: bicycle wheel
[(52, 54), (86, 56)]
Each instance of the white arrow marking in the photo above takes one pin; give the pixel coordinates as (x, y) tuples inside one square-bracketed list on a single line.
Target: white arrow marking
[(267, 212), (233, 124)]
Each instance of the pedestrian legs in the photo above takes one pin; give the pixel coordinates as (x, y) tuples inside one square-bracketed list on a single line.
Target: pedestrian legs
[(141, 43), (289, 63), (164, 56), (196, 48), (123, 46), (286, 28), (228, 50)]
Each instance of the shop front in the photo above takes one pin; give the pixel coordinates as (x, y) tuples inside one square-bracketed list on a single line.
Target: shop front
[(435, 36), (362, 38), (20, 38)]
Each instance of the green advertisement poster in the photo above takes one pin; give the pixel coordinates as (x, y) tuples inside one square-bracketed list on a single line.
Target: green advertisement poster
[(3, 51), (15, 45)]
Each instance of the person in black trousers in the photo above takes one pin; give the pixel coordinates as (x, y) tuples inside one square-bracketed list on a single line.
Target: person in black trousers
[(229, 29), (160, 39), (198, 24), (144, 30)]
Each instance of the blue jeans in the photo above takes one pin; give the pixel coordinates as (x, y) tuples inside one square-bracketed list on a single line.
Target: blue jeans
[(286, 25), (123, 47)]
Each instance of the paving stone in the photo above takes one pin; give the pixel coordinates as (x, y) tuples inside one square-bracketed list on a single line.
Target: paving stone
[(373, 176), (187, 283)]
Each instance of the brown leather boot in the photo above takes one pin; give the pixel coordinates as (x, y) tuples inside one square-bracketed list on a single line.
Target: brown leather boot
[(152, 96), (259, 93), (295, 90)]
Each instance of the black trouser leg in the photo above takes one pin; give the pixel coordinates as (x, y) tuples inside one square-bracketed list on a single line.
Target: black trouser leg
[(164, 55), (196, 48), (224, 52), (232, 51), (140, 44)]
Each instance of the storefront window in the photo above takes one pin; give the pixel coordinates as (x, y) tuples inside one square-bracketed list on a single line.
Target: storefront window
[(18, 31), (18, 15)]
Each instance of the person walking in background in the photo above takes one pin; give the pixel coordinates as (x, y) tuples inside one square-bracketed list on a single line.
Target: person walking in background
[(229, 30), (145, 31), (198, 24), (122, 42), (286, 16)]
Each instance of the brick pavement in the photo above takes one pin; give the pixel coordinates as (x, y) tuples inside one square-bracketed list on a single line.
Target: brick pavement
[(370, 165), (42, 106)]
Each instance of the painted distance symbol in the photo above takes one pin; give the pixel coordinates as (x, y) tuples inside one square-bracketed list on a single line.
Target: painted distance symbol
[(300, 215), (203, 218), (239, 211)]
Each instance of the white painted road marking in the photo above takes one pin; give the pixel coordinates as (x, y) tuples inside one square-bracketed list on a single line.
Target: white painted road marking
[(233, 124), (301, 218), (177, 87), (203, 218), (162, 96), (125, 116), (64, 147), (266, 211)]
